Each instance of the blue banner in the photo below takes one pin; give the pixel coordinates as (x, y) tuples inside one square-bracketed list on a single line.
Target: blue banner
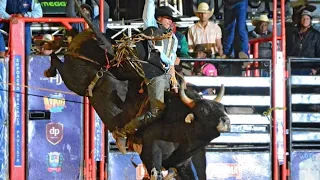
[(120, 166), (55, 146), (18, 111), (238, 165), (98, 138), (220, 165), (305, 164), (4, 154)]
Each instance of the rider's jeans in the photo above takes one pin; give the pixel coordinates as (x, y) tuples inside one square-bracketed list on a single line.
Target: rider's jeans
[(156, 87)]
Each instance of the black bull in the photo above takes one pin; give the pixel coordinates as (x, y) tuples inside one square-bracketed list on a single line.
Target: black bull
[(117, 101)]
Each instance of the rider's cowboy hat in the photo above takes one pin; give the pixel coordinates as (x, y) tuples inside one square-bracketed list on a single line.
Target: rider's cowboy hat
[(165, 11), (262, 18), (204, 8)]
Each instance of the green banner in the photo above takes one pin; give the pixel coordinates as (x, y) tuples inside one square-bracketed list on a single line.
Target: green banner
[(53, 6)]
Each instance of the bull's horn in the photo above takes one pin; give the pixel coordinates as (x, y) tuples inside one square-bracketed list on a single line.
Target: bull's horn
[(185, 99), (220, 94), (103, 42)]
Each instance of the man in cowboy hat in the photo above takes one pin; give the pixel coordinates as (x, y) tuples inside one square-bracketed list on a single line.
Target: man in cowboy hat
[(161, 52), (47, 45), (261, 30), (88, 10), (235, 15), (13, 9), (205, 32)]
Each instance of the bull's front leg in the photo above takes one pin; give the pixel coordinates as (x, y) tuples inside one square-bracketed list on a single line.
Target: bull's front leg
[(52, 71), (151, 156), (199, 162)]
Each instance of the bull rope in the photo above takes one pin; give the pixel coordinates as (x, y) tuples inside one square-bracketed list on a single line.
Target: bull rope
[(126, 52)]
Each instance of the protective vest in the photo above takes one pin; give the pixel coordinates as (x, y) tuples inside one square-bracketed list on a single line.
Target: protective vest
[(18, 6), (150, 52), (165, 46)]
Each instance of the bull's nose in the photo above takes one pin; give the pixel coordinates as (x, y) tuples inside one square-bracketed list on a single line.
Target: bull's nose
[(225, 119)]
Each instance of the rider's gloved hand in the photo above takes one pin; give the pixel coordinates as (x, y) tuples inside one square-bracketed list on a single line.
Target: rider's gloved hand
[(173, 81)]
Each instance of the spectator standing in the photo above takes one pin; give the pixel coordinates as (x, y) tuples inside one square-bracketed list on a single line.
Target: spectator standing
[(205, 32), (305, 39), (13, 9), (305, 42), (235, 13), (260, 31), (90, 11)]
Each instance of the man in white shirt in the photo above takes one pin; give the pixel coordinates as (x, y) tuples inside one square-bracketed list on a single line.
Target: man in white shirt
[(205, 32)]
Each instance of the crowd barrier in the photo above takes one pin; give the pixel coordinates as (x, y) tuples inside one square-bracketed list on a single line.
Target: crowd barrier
[(304, 118)]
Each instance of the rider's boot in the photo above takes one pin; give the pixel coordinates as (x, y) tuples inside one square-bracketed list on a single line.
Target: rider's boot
[(136, 123)]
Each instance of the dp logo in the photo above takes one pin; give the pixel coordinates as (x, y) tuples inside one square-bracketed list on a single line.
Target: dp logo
[(54, 132)]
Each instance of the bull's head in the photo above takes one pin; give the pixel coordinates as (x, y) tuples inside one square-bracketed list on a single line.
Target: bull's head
[(208, 111), (103, 42)]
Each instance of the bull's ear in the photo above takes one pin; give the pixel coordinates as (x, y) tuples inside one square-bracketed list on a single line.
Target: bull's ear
[(189, 118)]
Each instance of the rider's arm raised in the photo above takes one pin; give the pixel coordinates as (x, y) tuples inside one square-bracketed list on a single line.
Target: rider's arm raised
[(148, 14)]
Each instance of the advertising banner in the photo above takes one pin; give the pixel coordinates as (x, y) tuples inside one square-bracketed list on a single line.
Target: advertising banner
[(53, 6), (220, 165), (4, 71), (98, 138), (238, 165), (305, 164), (55, 144), (120, 166)]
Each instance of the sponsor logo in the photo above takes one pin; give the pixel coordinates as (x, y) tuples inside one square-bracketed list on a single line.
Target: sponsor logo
[(57, 80), (54, 162), (54, 133), (224, 171), (54, 103), (54, 4)]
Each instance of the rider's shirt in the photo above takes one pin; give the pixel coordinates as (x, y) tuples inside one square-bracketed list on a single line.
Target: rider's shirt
[(167, 47)]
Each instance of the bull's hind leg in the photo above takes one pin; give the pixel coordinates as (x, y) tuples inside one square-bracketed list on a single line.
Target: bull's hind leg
[(185, 171), (52, 71)]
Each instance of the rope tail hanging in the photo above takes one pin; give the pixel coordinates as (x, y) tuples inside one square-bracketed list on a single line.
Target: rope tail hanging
[(125, 51)]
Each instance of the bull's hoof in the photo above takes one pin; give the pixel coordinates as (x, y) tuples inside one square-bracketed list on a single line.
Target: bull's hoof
[(172, 172), (156, 175), (47, 73)]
